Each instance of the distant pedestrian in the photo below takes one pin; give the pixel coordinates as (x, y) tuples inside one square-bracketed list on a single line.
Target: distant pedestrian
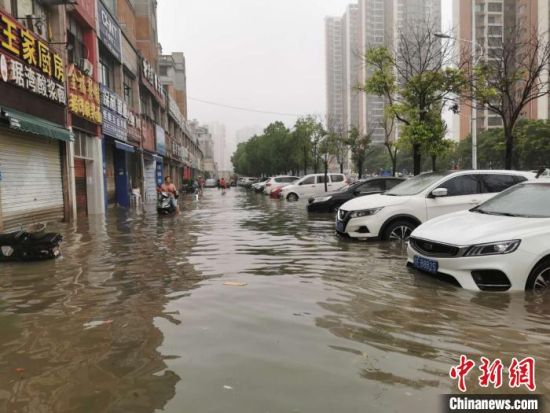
[(201, 185), (222, 185)]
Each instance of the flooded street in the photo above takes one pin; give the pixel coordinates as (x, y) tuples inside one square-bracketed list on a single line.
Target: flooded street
[(135, 317)]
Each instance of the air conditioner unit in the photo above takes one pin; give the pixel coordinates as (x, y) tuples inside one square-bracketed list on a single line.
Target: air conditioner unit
[(86, 66)]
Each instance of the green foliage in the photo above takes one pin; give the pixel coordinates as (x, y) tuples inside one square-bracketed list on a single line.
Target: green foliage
[(532, 147), (278, 150)]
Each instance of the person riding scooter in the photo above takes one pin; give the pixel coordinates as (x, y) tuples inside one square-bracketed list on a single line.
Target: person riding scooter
[(168, 196)]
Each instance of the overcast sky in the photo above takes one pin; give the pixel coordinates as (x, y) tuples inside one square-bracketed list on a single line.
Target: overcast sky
[(258, 54)]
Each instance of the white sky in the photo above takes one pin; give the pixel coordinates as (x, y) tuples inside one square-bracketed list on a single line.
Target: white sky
[(260, 54)]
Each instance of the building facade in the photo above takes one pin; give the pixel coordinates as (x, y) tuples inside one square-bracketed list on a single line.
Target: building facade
[(85, 121)]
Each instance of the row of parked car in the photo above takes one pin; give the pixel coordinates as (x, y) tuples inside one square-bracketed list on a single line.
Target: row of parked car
[(482, 230)]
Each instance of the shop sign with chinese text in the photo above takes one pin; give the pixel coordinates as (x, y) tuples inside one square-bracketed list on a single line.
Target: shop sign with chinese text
[(115, 114), (108, 31), (83, 95), (151, 77), (28, 62)]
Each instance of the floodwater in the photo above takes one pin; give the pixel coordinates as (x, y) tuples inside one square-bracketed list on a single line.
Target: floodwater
[(135, 317)]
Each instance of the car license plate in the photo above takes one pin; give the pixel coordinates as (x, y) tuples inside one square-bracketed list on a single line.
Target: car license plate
[(424, 264), (340, 226)]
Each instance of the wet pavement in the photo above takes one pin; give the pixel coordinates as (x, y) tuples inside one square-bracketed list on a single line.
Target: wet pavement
[(135, 317)]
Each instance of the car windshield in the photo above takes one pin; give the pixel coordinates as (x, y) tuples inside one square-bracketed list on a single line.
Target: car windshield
[(416, 184), (530, 200)]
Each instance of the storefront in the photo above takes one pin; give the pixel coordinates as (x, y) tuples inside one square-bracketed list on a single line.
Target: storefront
[(33, 139), (122, 159), (87, 162)]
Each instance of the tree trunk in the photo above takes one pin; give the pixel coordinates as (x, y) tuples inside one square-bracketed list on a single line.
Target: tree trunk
[(434, 158), (326, 174), (417, 159), (342, 167), (509, 140), (305, 160)]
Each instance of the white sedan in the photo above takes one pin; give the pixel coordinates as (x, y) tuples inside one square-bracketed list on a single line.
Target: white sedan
[(501, 245)]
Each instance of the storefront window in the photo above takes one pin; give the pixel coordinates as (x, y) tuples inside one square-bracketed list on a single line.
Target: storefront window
[(82, 145)]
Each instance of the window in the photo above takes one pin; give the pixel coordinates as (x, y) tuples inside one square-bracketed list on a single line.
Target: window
[(308, 181), (127, 86), (106, 72), (75, 42), (337, 178), (390, 183), (462, 185), (321, 179), (372, 186), (493, 183), (163, 70), (495, 7)]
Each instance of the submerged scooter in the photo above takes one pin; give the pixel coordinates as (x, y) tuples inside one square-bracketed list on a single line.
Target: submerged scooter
[(164, 206), (29, 245)]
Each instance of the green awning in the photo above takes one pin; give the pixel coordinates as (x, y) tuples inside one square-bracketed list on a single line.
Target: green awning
[(31, 124)]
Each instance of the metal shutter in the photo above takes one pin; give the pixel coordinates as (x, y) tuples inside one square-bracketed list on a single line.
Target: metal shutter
[(150, 181), (32, 185)]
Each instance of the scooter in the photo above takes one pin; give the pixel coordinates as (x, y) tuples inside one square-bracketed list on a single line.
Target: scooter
[(24, 245), (164, 206)]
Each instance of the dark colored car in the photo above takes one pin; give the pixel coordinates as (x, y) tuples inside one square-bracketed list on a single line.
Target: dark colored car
[(331, 201)]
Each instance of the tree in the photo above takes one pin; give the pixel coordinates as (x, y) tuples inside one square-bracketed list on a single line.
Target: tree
[(306, 135), (416, 81), (513, 74), (388, 125), (358, 144)]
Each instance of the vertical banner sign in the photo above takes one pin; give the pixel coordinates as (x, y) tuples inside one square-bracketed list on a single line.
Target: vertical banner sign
[(161, 140), (108, 31), (159, 172)]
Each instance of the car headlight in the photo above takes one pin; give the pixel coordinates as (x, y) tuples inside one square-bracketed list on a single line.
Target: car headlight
[(364, 212), (493, 248), (322, 199)]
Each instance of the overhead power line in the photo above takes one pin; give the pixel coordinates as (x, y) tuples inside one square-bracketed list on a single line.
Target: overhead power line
[(266, 112)]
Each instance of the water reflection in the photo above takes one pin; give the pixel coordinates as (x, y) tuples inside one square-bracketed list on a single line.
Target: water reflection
[(322, 324)]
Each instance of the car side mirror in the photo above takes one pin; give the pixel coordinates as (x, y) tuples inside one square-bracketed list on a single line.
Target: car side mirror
[(439, 192), (301, 183)]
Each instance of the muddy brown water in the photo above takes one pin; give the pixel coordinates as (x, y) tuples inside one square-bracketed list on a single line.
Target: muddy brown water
[(135, 317)]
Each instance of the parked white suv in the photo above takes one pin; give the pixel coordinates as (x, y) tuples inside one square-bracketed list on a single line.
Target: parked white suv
[(503, 244), (396, 213), (277, 181), (312, 185)]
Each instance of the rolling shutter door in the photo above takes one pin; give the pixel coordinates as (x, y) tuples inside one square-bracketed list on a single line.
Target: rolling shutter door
[(31, 186), (150, 182)]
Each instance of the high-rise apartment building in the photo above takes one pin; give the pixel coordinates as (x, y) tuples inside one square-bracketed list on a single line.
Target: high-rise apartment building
[(375, 25), (485, 24), (352, 66), (335, 78), (217, 130)]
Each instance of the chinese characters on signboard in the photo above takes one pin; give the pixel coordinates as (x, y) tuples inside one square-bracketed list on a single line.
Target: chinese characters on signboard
[(115, 115), (150, 75), (27, 62), (83, 95), (108, 31)]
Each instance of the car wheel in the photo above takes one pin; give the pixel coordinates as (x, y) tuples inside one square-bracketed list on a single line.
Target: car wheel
[(292, 197), (399, 231), (539, 279)]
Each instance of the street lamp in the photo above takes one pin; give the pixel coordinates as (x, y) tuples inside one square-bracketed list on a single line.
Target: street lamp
[(473, 117)]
